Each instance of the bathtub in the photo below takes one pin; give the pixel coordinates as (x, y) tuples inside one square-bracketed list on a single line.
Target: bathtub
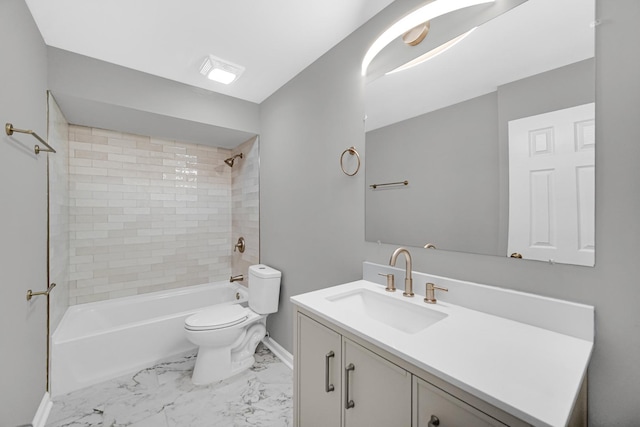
[(98, 341)]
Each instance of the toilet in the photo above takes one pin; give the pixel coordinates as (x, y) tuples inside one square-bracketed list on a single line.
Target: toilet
[(227, 335)]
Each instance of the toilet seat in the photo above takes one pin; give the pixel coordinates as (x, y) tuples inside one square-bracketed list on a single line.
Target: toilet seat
[(219, 317)]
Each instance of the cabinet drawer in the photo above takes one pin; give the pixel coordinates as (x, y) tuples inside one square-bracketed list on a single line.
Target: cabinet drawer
[(429, 402)]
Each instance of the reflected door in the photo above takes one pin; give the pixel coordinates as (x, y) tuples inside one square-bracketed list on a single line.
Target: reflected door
[(552, 186)]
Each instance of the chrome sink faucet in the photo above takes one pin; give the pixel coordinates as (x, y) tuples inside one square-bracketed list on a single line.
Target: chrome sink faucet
[(408, 281)]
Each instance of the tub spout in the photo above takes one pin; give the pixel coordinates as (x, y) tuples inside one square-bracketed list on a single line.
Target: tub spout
[(236, 278)]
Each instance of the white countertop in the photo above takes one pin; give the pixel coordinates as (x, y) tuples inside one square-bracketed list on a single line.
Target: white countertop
[(532, 373)]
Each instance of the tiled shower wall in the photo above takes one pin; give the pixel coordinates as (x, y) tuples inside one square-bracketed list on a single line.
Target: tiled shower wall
[(245, 196), (146, 214)]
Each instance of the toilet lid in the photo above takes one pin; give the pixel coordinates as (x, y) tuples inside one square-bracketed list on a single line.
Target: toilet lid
[(218, 317)]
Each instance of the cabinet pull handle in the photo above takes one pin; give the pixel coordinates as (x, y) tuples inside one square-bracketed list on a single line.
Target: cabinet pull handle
[(347, 402), (327, 387), (434, 421)]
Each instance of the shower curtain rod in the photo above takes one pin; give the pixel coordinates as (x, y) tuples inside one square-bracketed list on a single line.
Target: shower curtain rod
[(10, 130)]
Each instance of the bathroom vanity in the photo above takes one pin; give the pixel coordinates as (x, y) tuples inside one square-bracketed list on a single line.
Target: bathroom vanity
[(367, 357)]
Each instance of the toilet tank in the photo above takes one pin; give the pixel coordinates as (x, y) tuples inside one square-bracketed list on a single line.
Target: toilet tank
[(264, 289)]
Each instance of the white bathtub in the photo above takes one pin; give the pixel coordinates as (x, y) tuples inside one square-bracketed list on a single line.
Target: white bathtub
[(99, 341)]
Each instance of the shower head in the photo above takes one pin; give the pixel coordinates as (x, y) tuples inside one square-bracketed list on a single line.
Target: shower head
[(231, 160)]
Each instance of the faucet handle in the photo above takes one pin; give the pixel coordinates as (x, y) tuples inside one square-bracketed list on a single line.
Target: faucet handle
[(431, 293), (391, 287), (240, 246)]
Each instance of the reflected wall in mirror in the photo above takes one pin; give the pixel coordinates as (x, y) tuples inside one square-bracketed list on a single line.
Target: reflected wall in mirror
[(444, 127)]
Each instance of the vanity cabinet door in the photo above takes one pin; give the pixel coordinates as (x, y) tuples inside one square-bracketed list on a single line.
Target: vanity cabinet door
[(376, 392), (319, 375), (433, 407)]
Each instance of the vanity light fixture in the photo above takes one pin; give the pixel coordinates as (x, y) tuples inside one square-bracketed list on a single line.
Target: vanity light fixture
[(432, 53), (425, 13), (220, 71)]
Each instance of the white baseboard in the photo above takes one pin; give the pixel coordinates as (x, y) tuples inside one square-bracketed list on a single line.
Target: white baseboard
[(279, 351), (40, 419)]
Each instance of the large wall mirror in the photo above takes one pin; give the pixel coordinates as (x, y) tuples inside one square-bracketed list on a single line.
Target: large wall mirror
[(494, 139)]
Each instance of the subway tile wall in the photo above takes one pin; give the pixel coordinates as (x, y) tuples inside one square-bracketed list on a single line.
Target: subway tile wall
[(145, 214), (245, 197)]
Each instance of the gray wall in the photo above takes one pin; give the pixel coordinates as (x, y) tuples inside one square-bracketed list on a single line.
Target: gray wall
[(23, 216), (450, 158), (312, 215)]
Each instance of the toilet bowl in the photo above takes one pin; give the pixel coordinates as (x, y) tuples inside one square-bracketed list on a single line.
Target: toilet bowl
[(227, 336)]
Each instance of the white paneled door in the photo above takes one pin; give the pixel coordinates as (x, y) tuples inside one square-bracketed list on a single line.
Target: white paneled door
[(552, 186)]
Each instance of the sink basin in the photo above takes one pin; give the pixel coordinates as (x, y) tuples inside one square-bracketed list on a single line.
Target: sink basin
[(401, 315)]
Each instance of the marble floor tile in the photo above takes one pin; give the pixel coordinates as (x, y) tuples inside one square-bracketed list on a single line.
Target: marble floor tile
[(163, 396)]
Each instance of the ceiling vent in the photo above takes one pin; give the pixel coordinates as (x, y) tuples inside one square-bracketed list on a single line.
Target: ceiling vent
[(220, 71)]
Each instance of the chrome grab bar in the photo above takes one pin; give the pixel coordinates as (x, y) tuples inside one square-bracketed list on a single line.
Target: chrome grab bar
[(31, 294)]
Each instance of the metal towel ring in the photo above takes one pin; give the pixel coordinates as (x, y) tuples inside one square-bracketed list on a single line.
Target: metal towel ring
[(352, 151)]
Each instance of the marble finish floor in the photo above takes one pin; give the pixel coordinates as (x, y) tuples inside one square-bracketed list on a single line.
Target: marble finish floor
[(163, 396)]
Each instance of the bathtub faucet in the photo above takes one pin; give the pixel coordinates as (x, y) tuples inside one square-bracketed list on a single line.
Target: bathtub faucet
[(236, 278)]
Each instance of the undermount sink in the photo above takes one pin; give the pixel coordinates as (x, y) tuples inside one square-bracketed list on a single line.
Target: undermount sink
[(401, 315)]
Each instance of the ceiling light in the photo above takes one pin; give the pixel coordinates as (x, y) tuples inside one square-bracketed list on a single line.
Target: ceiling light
[(432, 53), (424, 14), (220, 71)]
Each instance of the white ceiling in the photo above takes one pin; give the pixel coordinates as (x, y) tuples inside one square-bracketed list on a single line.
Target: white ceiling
[(274, 39)]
